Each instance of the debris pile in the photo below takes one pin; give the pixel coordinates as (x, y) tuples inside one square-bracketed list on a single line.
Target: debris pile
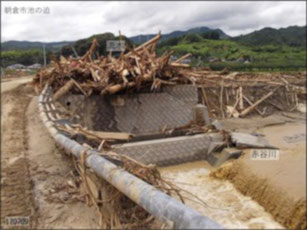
[(240, 94), (138, 68), (225, 94)]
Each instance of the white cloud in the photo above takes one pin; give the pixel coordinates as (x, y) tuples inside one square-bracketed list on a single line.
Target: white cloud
[(75, 20)]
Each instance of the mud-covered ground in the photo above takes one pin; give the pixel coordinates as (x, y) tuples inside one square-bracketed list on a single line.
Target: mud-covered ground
[(16, 184), (35, 172)]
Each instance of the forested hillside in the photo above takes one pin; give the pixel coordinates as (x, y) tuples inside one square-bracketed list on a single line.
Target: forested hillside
[(266, 49)]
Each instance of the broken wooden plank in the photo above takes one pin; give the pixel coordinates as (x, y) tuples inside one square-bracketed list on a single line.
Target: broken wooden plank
[(234, 112), (182, 58), (108, 135), (79, 87), (100, 135), (250, 103), (241, 105), (206, 100), (179, 65), (151, 41), (221, 99), (250, 108)]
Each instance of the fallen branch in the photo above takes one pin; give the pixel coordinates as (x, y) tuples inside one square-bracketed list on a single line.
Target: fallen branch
[(221, 99), (63, 90), (183, 57), (250, 103), (250, 108), (105, 135), (241, 106)]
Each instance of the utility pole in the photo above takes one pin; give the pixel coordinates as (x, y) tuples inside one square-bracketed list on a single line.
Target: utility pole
[(2, 72), (44, 51)]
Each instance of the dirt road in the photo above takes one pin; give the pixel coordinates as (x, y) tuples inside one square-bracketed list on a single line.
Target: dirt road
[(16, 185), (34, 171), (11, 83)]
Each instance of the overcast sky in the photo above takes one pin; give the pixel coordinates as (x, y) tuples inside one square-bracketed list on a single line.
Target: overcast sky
[(76, 20)]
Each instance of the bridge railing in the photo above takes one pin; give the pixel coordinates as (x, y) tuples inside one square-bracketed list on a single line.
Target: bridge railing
[(154, 201)]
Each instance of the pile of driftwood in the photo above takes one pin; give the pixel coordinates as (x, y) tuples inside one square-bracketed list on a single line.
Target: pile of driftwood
[(138, 68), (225, 94), (239, 94)]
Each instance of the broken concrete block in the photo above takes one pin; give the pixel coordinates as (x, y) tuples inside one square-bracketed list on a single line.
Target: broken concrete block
[(217, 125), (245, 140), (167, 151), (254, 133), (216, 137), (301, 107), (218, 158), (201, 115), (215, 146)]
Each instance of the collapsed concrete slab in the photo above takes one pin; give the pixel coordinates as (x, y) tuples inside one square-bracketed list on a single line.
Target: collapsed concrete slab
[(170, 151), (218, 158), (245, 140)]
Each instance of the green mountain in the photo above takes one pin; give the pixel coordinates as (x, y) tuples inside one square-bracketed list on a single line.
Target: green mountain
[(198, 30), (55, 46), (24, 45), (256, 51), (265, 49), (291, 36)]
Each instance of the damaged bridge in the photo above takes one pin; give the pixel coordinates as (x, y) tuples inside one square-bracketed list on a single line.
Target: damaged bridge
[(121, 118), (160, 144)]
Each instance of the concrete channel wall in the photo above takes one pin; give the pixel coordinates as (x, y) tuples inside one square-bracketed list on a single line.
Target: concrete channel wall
[(159, 204)]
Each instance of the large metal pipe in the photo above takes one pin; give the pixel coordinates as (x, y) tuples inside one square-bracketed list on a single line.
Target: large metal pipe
[(159, 204)]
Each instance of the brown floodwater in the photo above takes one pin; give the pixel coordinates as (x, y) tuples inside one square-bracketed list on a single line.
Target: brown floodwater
[(219, 198)]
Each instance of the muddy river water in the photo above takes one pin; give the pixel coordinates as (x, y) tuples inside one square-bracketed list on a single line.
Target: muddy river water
[(220, 199)]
